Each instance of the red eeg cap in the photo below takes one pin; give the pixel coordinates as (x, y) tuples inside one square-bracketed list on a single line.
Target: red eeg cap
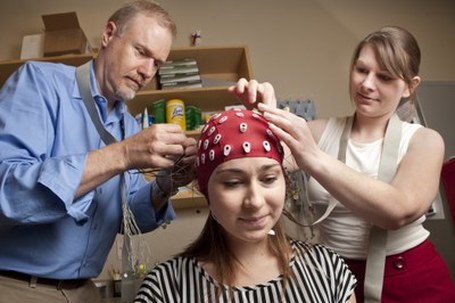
[(234, 134)]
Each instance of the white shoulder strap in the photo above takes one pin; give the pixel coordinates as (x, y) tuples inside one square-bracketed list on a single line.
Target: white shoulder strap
[(342, 157), (374, 275)]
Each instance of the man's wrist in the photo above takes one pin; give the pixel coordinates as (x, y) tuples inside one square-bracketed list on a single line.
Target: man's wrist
[(159, 196), (165, 184)]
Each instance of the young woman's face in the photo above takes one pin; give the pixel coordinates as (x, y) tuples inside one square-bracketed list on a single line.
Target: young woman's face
[(247, 197), (374, 91)]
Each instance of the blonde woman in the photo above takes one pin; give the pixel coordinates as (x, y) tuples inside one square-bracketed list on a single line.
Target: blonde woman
[(384, 71)]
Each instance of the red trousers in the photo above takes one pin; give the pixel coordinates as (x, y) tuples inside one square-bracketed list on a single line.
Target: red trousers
[(418, 275)]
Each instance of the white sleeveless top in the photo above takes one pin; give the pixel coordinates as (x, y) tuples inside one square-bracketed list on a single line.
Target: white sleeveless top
[(342, 230)]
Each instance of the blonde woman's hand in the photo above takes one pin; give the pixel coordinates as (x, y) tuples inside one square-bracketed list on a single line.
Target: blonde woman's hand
[(294, 132), (252, 92)]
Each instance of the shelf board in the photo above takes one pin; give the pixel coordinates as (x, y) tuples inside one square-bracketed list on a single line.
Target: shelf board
[(186, 199), (8, 67), (234, 59), (208, 98)]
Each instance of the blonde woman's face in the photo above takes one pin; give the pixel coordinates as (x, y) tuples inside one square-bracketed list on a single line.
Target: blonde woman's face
[(247, 197), (374, 91)]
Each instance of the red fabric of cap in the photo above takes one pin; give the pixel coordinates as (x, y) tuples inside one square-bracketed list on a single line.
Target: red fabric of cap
[(234, 134)]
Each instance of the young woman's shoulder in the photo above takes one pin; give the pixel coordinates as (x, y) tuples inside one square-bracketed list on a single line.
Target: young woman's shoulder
[(317, 255), (164, 279), (322, 265), (169, 272), (316, 248)]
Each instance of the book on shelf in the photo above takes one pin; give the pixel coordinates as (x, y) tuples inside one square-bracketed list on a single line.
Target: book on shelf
[(167, 76), (180, 73), (188, 62), (185, 65), (179, 77), (178, 70), (181, 84)]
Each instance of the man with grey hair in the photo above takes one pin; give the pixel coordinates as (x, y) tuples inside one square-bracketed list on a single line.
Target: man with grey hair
[(60, 183)]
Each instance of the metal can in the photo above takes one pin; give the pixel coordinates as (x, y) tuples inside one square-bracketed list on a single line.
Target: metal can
[(175, 112), (159, 111), (199, 120), (190, 116)]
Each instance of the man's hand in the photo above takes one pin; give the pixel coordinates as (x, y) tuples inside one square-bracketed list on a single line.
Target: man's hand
[(154, 147), (182, 172)]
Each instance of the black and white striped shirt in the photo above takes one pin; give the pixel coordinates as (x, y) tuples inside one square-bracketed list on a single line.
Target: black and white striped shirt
[(321, 276)]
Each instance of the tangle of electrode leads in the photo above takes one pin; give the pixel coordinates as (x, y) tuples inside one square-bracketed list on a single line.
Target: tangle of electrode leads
[(134, 256), (298, 206), (137, 256)]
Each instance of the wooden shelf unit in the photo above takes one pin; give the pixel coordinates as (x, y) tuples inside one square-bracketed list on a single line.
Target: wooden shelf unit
[(219, 67)]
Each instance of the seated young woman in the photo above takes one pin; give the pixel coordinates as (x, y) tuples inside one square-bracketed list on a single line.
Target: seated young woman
[(243, 253)]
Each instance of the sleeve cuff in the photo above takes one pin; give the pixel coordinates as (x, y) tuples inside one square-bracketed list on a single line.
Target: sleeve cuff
[(62, 177), (146, 216)]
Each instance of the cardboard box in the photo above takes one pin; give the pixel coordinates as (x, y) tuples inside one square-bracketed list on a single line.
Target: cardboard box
[(63, 35)]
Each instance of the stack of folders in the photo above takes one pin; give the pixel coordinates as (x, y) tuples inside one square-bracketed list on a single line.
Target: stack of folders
[(181, 73)]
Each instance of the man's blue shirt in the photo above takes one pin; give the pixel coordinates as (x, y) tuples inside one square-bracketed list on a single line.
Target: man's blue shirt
[(45, 136)]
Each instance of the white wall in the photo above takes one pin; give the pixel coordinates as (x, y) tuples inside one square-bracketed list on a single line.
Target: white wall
[(302, 46)]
